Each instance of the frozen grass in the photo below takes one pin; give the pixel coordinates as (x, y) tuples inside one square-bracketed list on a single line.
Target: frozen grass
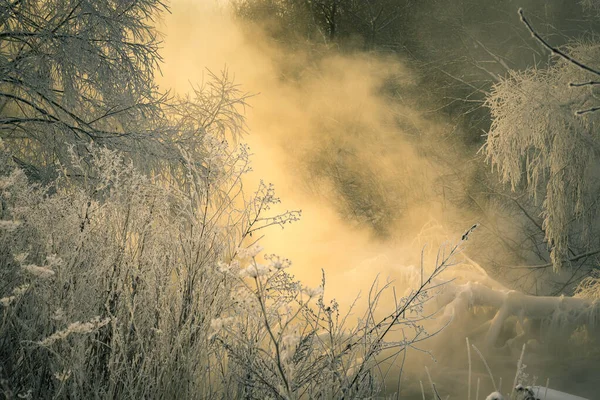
[(118, 285)]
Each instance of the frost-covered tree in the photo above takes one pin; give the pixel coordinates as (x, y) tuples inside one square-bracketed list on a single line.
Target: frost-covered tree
[(76, 72), (544, 141), (116, 203)]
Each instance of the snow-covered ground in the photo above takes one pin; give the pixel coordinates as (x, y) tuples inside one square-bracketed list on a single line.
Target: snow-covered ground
[(536, 393)]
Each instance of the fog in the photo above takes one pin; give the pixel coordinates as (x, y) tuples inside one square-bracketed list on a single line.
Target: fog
[(329, 138)]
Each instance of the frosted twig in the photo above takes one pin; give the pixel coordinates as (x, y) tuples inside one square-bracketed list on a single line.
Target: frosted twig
[(487, 367), (469, 379), (555, 50), (519, 366)]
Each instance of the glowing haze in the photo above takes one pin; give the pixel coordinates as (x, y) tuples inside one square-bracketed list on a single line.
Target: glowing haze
[(329, 138)]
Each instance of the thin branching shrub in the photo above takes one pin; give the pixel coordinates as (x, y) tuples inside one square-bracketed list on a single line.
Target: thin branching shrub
[(285, 341)]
